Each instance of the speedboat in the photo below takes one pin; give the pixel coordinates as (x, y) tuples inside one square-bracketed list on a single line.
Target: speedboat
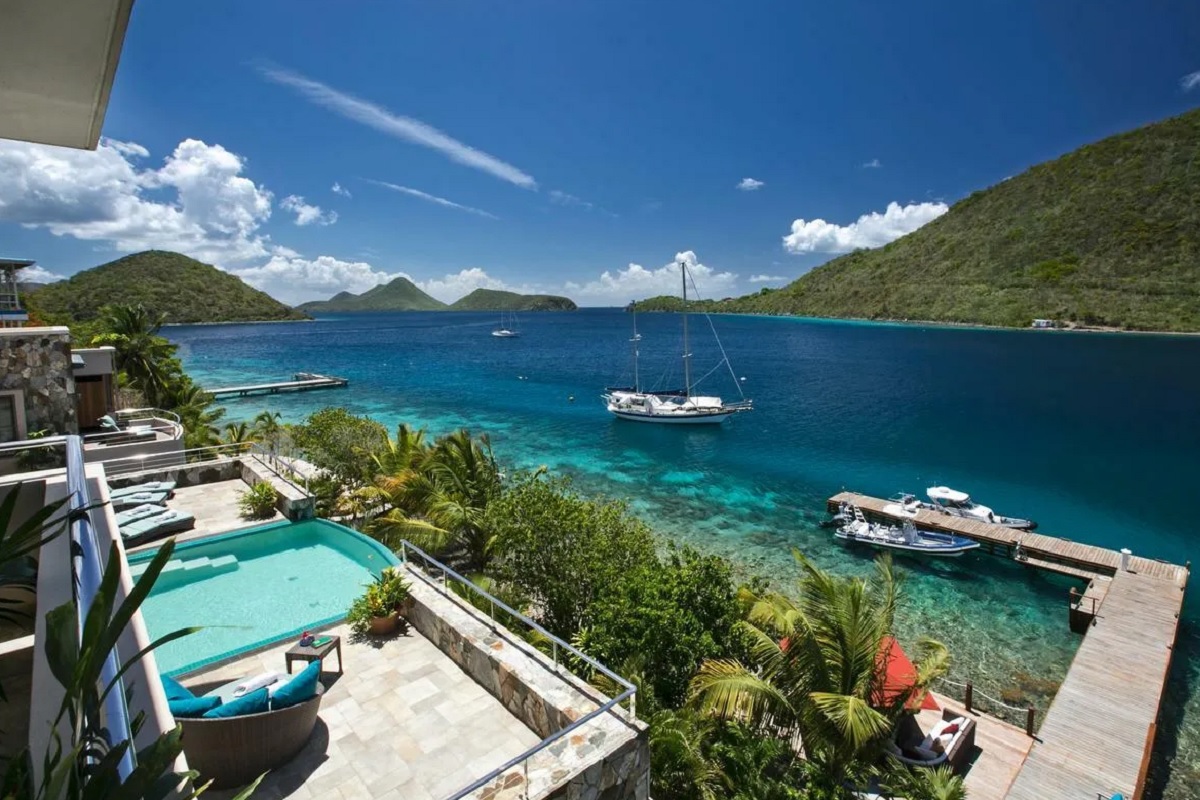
[(907, 538), (959, 504), (903, 505)]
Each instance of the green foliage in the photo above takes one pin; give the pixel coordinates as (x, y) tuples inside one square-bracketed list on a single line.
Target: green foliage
[(496, 300), (400, 294), (926, 784), (340, 443), (384, 596), (563, 550), (147, 359), (1126, 209), (173, 285), (258, 501), (673, 613)]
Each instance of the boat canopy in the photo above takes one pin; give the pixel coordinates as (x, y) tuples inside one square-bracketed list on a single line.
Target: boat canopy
[(947, 494)]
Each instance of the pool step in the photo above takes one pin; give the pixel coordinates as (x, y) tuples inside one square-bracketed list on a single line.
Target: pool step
[(182, 570)]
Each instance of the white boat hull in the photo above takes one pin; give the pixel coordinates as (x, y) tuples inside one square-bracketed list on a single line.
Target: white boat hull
[(505, 334), (708, 418)]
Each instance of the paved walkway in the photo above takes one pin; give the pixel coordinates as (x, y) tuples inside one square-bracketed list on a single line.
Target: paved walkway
[(403, 723)]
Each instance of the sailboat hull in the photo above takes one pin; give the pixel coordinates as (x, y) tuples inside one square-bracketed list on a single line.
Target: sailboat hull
[(707, 418)]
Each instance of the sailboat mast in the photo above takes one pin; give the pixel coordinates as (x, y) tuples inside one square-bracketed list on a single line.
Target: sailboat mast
[(637, 381), (687, 357)]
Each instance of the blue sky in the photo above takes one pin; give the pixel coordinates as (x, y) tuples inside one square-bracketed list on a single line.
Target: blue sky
[(542, 145)]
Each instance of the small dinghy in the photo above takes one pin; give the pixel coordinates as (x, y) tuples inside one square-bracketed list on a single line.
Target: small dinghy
[(907, 538)]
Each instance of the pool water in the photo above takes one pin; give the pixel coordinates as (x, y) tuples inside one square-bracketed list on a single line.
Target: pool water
[(257, 586)]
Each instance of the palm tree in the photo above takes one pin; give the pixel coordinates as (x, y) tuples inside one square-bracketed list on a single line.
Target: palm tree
[(683, 769), (926, 784), (440, 501), (197, 413), (267, 427), (237, 433), (816, 672), (143, 355)]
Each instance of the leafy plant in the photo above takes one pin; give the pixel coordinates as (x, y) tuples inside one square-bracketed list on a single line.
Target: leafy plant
[(258, 502), (341, 444), (385, 595)]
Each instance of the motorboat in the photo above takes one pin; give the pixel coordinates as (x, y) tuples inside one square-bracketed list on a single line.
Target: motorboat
[(904, 505), (907, 538), (959, 504), (675, 406)]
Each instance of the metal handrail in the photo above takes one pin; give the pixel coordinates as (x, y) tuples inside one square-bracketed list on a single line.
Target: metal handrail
[(629, 693), (153, 412), (177, 458), (88, 568), (271, 460)]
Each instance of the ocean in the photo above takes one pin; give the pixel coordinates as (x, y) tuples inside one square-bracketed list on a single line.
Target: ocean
[(1096, 436)]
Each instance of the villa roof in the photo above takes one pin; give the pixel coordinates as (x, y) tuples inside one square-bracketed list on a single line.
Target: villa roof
[(16, 263)]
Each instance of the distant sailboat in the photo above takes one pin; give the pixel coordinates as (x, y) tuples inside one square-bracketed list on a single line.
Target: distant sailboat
[(679, 406), (507, 328)]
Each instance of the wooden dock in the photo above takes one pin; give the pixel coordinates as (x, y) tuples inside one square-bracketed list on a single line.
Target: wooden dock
[(1098, 733), (301, 382)]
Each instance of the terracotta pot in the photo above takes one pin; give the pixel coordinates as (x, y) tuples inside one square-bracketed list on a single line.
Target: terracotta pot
[(382, 626)]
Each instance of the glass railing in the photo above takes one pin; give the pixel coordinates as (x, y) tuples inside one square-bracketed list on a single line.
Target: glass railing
[(559, 650)]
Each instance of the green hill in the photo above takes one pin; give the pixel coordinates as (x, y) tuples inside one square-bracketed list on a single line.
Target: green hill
[(398, 295), (183, 288), (494, 300), (1106, 235)]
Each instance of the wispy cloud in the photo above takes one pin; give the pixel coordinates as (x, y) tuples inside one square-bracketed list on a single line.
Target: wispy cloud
[(564, 199), (767, 278), (874, 163), (400, 127), (338, 189), (306, 213), (750, 185), (1190, 81), (431, 198)]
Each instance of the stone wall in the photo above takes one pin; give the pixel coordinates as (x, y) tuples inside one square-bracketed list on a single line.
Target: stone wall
[(184, 475), (293, 503), (606, 759), (37, 361)]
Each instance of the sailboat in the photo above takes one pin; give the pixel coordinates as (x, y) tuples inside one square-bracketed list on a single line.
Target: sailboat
[(508, 329), (677, 406)]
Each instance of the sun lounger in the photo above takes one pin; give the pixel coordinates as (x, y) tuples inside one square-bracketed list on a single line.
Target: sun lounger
[(151, 486), (144, 511), (151, 528), (127, 501)]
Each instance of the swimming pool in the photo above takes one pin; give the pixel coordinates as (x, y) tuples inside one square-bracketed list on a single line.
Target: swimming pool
[(253, 587)]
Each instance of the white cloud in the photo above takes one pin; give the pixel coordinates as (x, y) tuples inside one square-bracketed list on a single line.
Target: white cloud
[(564, 199), (338, 189), (874, 163), (869, 230), (767, 278), (430, 198), (1190, 81), (635, 282), (293, 279), (36, 274), (451, 287), (750, 185), (307, 214), (400, 127), (103, 195)]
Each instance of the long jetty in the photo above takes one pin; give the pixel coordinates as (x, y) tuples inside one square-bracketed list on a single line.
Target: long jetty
[(1098, 734), (301, 382)]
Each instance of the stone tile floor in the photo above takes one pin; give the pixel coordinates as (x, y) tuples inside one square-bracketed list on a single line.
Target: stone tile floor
[(215, 507), (403, 723)]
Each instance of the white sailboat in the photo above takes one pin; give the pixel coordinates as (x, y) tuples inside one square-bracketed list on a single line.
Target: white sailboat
[(507, 328), (678, 406)]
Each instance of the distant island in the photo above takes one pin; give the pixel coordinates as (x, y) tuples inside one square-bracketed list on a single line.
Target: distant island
[(1106, 236), (184, 289), (401, 294)]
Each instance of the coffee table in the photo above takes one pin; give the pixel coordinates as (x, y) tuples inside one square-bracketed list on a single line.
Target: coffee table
[(309, 654)]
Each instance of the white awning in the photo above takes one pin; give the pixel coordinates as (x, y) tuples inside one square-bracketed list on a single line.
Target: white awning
[(947, 494), (58, 59)]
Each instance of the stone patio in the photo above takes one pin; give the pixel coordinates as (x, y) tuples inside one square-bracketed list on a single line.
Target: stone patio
[(402, 723)]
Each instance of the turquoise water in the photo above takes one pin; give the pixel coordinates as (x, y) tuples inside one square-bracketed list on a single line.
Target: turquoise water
[(257, 586), (1095, 436)]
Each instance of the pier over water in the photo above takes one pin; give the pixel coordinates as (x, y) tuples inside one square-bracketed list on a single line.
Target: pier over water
[(1098, 734), (300, 382)]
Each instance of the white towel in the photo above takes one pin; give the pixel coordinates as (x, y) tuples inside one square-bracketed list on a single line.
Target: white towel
[(251, 684)]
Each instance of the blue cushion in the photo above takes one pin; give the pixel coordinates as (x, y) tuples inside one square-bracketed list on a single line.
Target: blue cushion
[(255, 702), (175, 690), (298, 689), (192, 706)]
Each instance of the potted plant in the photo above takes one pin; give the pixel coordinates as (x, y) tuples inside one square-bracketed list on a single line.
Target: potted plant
[(377, 610)]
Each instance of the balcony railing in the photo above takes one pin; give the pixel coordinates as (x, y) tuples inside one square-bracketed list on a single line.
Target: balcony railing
[(88, 566), (436, 569)]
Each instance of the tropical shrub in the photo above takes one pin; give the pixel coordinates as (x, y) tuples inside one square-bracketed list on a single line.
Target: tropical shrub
[(341, 444), (258, 502), (384, 596)]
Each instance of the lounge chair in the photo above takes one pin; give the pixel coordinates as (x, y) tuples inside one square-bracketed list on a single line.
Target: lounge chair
[(950, 741), (141, 512), (126, 501), (151, 528), (150, 486)]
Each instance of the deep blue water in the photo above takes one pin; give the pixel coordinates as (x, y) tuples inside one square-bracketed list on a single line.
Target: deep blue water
[(1095, 436)]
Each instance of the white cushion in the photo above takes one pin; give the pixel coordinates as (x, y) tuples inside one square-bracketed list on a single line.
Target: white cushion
[(962, 722), (946, 739), (937, 729)]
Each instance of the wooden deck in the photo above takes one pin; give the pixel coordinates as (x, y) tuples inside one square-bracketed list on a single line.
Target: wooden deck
[(1098, 733), (1002, 750), (303, 382), (1051, 553)]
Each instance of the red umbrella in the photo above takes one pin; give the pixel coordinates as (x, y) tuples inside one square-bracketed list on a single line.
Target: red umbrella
[(899, 678)]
